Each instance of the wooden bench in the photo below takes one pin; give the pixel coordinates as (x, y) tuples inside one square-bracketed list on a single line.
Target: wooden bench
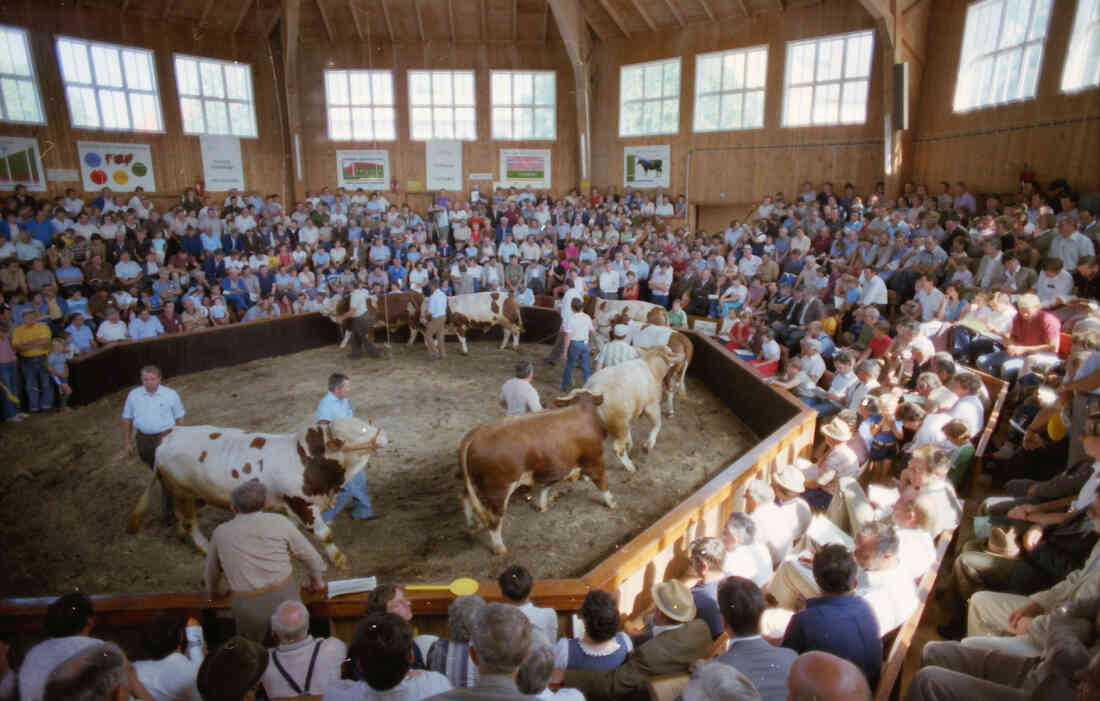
[(998, 392)]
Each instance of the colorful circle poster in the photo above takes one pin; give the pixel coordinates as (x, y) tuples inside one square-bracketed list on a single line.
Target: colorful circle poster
[(121, 167)]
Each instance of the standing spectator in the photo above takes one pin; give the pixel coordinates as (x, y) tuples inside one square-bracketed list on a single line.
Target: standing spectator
[(434, 336), (149, 414), (576, 350), (332, 406), (517, 396), (516, 584), (253, 550), (300, 663), (57, 364), (9, 391), (31, 340)]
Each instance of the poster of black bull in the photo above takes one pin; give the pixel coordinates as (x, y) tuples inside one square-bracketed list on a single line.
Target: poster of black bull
[(647, 166)]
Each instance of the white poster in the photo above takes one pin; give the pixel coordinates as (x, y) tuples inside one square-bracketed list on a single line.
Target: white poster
[(368, 169), (523, 167), (444, 160), (222, 166), (121, 167), (647, 166), (21, 164)]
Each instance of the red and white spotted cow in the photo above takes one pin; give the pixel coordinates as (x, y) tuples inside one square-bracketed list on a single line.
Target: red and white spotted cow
[(396, 309), (302, 471), (606, 313), (648, 336), (482, 311)]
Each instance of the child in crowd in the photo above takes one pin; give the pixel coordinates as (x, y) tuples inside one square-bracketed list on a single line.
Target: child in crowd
[(57, 364), (677, 317)]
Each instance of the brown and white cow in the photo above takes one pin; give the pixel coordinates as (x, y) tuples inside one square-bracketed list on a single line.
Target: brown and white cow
[(649, 335), (302, 471), (607, 312), (482, 311), (627, 391), (533, 450), (396, 309)]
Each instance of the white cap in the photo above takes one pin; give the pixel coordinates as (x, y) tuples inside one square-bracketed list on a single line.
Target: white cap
[(621, 330)]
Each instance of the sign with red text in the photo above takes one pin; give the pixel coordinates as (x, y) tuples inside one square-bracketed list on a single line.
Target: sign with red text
[(521, 167), (121, 167)]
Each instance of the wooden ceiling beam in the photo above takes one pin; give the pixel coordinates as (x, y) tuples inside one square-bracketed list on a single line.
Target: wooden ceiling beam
[(515, 20), (745, 8), (780, 5), (706, 8), (272, 21), (451, 12), (645, 15), (206, 12), (355, 18), (595, 27), (546, 24), (389, 24), (167, 9), (324, 19), (675, 12), (484, 21), (615, 17), (243, 13), (419, 19)]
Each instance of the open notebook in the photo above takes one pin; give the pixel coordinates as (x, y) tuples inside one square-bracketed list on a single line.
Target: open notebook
[(340, 587)]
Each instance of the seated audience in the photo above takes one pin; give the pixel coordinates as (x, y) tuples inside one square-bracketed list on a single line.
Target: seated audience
[(603, 645), (177, 647), (300, 663), (382, 651), (69, 619), (516, 583), (820, 676), (233, 671), (450, 656)]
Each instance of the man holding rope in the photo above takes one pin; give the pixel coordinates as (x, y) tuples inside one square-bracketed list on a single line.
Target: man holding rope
[(362, 324)]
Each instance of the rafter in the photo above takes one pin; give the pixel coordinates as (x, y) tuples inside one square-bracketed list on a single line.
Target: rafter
[(595, 27), (324, 19), (706, 8), (484, 21), (451, 12), (744, 7), (419, 19), (240, 17), (675, 12), (167, 8), (615, 17), (780, 5), (645, 15), (206, 12), (355, 19), (389, 24), (515, 20), (546, 23), (273, 20)]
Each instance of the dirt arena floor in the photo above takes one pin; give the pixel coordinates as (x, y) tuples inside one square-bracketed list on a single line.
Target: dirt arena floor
[(66, 489)]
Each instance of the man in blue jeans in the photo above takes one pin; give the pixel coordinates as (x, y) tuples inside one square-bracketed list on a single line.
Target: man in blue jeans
[(333, 405), (577, 329), (31, 340)]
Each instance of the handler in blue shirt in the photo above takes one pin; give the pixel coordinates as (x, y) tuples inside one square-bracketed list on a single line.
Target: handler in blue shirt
[(333, 405)]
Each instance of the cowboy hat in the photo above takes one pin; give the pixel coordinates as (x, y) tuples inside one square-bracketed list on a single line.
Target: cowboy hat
[(1002, 543), (837, 430), (790, 478), (674, 600)]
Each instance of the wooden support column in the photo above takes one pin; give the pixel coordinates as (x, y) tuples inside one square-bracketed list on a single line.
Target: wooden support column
[(572, 26), (291, 21)]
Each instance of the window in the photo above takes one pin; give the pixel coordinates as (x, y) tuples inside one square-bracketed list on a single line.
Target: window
[(523, 104), (1001, 52), (649, 98), (109, 87), (360, 105), (827, 80), (442, 105), (19, 99), (729, 89), (1082, 69), (215, 97)]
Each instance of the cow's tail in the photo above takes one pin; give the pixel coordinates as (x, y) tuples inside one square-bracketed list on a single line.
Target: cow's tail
[(138, 514), (470, 498)]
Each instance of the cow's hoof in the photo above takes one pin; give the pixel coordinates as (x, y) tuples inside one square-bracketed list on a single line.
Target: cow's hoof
[(611, 502)]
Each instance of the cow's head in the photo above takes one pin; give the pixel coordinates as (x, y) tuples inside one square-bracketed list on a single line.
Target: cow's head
[(660, 360), (332, 452), (580, 397)]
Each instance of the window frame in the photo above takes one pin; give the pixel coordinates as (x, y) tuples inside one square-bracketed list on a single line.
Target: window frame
[(96, 87), (965, 62), (351, 105), (251, 102), (814, 84), (1082, 28), (32, 79), (513, 105), (678, 60), (453, 105), (742, 91)]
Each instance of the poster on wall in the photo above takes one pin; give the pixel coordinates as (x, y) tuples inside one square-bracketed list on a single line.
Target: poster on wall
[(222, 165), (647, 166), (444, 160), (368, 169), (523, 167), (21, 164), (121, 167)]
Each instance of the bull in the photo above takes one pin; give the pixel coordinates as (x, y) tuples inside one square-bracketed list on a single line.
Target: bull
[(647, 336), (391, 311), (482, 311)]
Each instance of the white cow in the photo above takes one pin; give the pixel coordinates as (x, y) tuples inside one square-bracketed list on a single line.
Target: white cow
[(628, 390), (483, 310), (606, 313), (641, 335), (302, 471)]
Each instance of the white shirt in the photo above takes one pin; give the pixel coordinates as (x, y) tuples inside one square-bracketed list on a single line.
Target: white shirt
[(661, 276), (916, 550), (891, 593), (931, 431), (872, 291), (769, 350), (153, 413), (930, 303), (567, 305), (578, 327), (412, 688), (519, 396), (43, 658), (969, 410), (173, 677), (1088, 492), (609, 281), (295, 659), (1049, 289), (437, 304), (110, 331), (545, 619), (813, 366), (357, 303), (751, 562)]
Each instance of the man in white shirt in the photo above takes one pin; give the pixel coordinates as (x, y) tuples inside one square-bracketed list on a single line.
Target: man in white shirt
[(362, 324), (1070, 245), (113, 329), (872, 290), (609, 282), (300, 664), (69, 620), (749, 263), (1054, 285), (177, 651), (516, 584), (436, 312), (745, 556), (518, 396), (574, 291), (968, 408), (577, 330), (812, 362), (929, 297)]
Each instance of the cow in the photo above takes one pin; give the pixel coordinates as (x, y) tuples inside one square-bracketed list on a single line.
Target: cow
[(629, 390), (649, 335), (532, 450), (483, 310), (395, 309), (302, 471), (607, 312), (648, 164)]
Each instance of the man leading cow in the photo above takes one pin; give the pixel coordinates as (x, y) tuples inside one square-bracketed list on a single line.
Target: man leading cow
[(149, 414), (333, 405)]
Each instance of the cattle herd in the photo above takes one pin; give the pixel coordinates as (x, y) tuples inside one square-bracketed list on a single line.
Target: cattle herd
[(304, 471)]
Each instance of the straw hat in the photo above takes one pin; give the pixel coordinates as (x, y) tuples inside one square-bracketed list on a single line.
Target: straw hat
[(673, 599), (791, 479), (837, 430), (1002, 543)]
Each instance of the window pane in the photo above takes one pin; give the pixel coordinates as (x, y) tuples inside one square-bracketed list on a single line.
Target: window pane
[(237, 83), (854, 107), (82, 105), (826, 103), (857, 61), (464, 88), (731, 111), (421, 123), (138, 75), (754, 109), (654, 75), (187, 76), (14, 56), (799, 105), (630, 120), (733, 72), (523, 122), (336, 87), (544, 122), (672, 78), (441, 88), (1029, 70), (382, 87), (240, 119), (632, 83), (108, 71), (1014, 22), (829, 57), (706, 113), (523, 89), (756, 69), (651, 121), (362, 123), (670, 121), (502, 123), (709, 70), (112, 105), (339, 123), (74, 62), (143, 111), (359, 88), (212, 83), (420, 88), (193, 120), (801, 67), (465, 124), (443, 122), (384, 124), (501, 88), (545, 89), (217, 121)]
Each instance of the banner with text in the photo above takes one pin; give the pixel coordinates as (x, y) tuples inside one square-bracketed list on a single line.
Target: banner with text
[(367, 169), (21, 164), (122, 167), (647, 166), (522, 167), (222, 166), (444, 159)]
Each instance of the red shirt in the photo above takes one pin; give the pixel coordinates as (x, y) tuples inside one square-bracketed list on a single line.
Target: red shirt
[(1042, 328), (878, 345)]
